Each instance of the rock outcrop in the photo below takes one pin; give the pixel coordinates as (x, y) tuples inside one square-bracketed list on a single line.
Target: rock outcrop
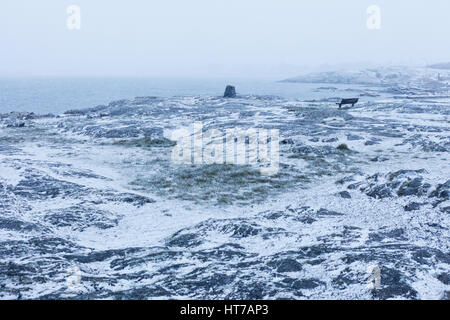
[(230, 92)]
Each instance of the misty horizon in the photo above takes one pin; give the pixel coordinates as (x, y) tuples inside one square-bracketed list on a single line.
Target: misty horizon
[(204, 39)]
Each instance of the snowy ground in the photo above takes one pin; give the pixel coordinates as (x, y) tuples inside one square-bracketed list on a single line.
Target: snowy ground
[(92, 207)]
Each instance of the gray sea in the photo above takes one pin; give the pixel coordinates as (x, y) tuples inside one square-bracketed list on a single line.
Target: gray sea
[(56, 95)]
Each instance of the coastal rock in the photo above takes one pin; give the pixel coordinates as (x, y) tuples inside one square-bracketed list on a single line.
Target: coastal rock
[(401, 183), (442, 191), (288, 265), (412, 206), (230, 92), (345, 195)]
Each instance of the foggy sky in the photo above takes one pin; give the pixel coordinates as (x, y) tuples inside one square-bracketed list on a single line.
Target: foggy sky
[(213, 38)]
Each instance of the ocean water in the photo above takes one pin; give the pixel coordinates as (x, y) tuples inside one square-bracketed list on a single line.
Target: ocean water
[(56, 95)]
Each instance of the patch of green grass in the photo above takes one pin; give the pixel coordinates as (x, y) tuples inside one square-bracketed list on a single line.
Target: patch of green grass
[(217, 183)]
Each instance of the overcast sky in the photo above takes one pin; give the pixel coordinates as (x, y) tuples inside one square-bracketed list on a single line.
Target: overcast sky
[(202, 38)]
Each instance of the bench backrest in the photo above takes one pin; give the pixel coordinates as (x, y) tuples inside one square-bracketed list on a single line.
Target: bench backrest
[(348, 101)]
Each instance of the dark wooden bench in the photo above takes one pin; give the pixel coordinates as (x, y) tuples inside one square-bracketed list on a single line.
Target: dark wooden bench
[(352, 101)]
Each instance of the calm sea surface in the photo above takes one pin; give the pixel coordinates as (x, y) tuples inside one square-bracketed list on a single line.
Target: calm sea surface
[(56, 95)]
